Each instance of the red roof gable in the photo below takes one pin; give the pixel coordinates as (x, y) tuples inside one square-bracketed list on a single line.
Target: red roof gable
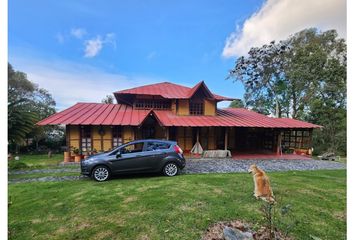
[(121, 114), (170, 91)]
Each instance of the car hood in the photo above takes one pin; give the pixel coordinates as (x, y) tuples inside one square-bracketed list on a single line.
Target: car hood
[(98, 155)]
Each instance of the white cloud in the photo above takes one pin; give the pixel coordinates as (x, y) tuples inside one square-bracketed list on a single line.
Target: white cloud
[(60, 38), (277, 19), (94, 46), (71, 82), (151, 55), (78, 32), (111, 39)]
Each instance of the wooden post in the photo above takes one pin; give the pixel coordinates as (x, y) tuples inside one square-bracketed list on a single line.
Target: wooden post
[(80, 139), (101, 132), (197, 134), (226, 137), (279, 152), (167, 133), (67, 129)]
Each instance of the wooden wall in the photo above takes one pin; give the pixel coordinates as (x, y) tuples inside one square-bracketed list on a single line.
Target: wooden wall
[(184, 136), (211, 138), (128, 134), (209, 107), (183, 107), (174, 106), (73, 133)]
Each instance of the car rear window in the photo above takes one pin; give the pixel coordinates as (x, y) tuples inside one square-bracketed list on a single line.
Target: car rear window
[(152, 146)]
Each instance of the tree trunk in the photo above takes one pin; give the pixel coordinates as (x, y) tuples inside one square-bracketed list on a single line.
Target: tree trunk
[(277, 109), (37, 145)]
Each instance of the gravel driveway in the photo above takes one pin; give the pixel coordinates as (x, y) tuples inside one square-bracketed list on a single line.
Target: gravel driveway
[(230, 165), (200, 166)]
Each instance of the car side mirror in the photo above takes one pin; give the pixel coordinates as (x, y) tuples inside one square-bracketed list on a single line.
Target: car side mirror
[(119, 154)]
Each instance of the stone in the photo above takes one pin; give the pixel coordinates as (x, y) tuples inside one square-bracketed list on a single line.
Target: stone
[(235, 234)]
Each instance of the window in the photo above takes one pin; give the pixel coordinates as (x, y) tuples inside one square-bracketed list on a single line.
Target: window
[(152, 146), (296, 139), (86, 139), (196, 107), (155, 104), (117, 138), (132, 148)]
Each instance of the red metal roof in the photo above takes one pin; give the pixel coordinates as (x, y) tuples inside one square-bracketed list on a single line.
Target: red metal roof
[(121, 114), (170, 91)]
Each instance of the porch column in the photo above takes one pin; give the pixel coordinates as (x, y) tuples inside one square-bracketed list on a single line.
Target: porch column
[(279, 152), (67, 130), (197, 134), (167, 133), (226, 137)]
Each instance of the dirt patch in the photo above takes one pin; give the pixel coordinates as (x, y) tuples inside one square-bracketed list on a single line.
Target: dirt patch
[(60, 231), (340, 216), (104, 235), (144, 237), (130, 199), (218, 191), (35, 221), (215, 231), (83, 225)]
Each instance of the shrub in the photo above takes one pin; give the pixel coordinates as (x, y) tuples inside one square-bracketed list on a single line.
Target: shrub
[(16, 164)]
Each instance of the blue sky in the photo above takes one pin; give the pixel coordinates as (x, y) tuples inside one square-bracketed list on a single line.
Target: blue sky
[(83, 50)]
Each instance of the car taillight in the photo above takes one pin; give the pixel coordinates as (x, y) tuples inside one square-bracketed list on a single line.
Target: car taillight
[(178, 149)]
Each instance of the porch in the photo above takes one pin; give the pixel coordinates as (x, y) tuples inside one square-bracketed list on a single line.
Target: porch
[(243, 142)]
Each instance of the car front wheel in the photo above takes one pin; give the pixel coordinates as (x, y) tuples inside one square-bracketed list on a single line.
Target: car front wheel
[(170, 169), (101, 173)]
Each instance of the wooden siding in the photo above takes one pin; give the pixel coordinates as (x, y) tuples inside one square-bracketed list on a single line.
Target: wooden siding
[(209, 107), (96, 138), (174, 106), (128, 134), (184, 136), (74, 133), (211, 138), (107, 138), (183, 107)]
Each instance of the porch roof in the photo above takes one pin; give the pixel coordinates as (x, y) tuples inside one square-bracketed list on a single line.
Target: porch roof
[(121, 114)]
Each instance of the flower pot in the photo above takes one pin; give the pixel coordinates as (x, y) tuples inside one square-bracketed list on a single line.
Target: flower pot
[(67, 157), (77, 158)]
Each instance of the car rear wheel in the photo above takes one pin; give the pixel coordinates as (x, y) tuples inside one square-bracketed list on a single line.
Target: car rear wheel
[(170, 169), (101, 173)]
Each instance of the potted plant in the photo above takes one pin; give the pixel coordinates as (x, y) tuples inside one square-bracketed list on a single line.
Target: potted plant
[(67, 155), (94, 151), (76, 152)]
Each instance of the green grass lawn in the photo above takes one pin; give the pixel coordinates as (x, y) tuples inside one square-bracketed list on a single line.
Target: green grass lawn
[(41, 159), (37, 161), (40, 175), (181, 207)]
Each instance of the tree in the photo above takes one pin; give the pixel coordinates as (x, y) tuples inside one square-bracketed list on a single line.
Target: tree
[(27, 103), (263, 77), (301, 77), (236, 104), (108, 99), (20, 117)]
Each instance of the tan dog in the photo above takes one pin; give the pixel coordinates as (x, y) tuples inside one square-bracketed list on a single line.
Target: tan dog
[(262, 187)]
